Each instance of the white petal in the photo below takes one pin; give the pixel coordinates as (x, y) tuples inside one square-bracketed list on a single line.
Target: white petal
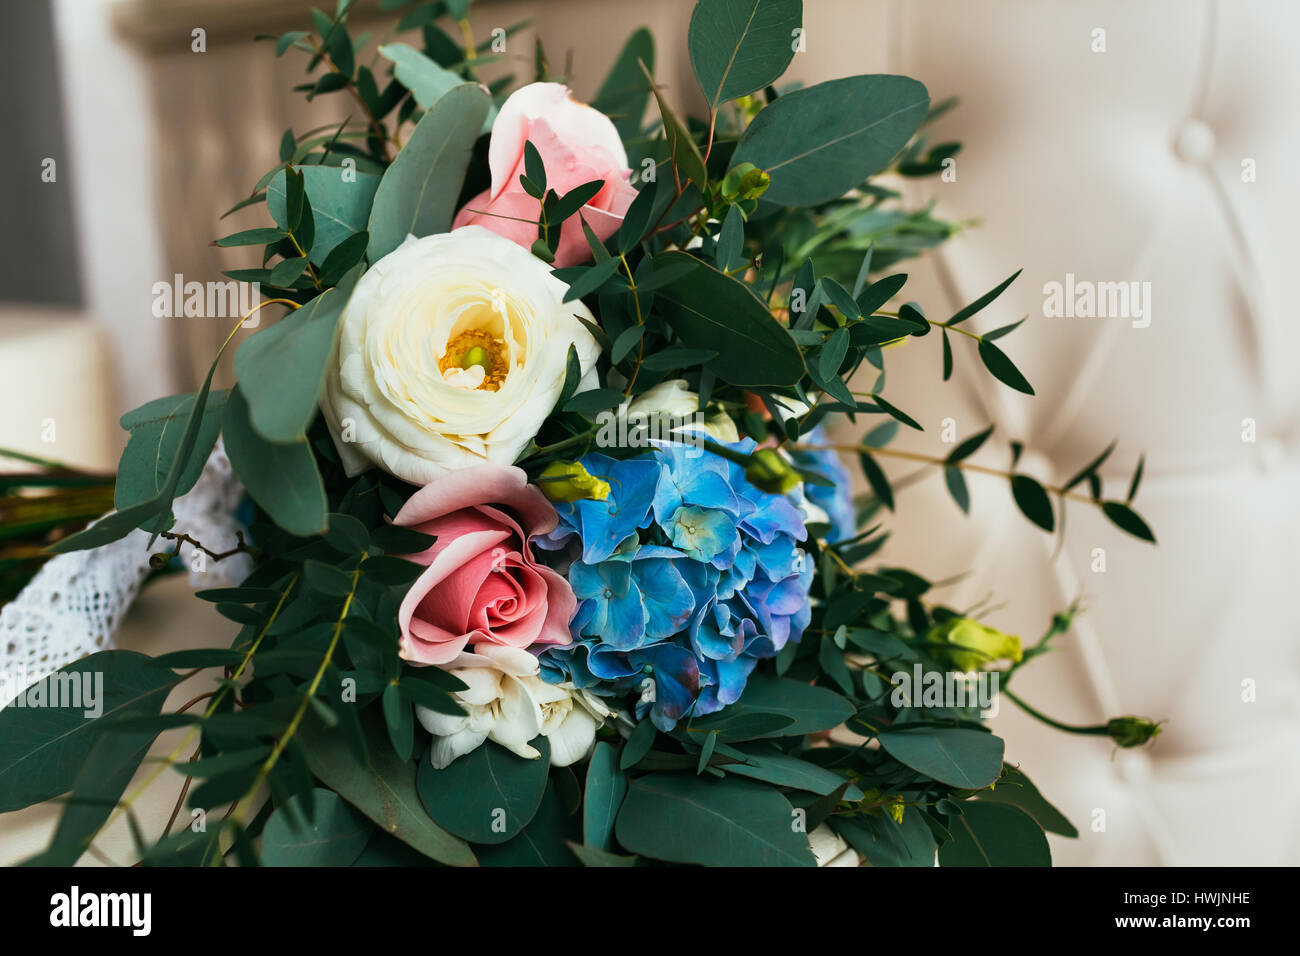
[(848, 858), (826, 844), (484, 686), (447, 749), (508, 660), (521, 717), (573, 739), (440, 725)]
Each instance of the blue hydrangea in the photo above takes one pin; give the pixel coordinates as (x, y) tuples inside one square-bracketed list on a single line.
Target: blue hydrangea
[(835, 499), (686, 576)]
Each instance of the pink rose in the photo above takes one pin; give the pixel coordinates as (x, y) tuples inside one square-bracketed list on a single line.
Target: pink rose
[(481, 584), (577, 144)]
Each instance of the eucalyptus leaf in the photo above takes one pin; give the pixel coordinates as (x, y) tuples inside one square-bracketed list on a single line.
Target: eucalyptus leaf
[(281, 369), (381, 787), (417, 195), (624, 95), (156, 429), (885, 842), (99, 786), (487, 795), (819, 142), (739, 46), (545, 841), (957, 756), (682, 818), (711, 310), (340, 198), (281, 477), (808, 709), (45, 739), (784, 770), (1017, 789), (995, 834), (335, 836)]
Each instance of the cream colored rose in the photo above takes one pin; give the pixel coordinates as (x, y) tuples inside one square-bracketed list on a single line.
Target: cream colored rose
[(451, 352)]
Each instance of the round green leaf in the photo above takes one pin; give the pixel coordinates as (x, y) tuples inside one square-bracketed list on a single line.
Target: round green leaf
[(487, 795), (335, 836), (544, 842)]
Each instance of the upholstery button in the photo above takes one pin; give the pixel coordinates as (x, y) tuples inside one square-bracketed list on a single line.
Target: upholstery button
[(1194, 142)]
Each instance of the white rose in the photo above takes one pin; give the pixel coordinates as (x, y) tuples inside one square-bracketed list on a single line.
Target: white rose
[(451, 352), (673, 399), (507, 702)]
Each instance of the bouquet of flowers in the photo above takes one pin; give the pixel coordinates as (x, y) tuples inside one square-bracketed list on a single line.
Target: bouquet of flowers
[(555, 558)]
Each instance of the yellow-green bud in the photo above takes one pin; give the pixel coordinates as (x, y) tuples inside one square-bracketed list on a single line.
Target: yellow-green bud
[(769, 471), (971, 644), (1131, 731), (744, 182), (476, 356), (569, 481), (895, 808)]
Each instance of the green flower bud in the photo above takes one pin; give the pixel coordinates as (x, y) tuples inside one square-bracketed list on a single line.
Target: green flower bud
[(769, 471), (895, 808), (476, 356), (744, 182), (970, 644), (569, 481), (1131, 731)]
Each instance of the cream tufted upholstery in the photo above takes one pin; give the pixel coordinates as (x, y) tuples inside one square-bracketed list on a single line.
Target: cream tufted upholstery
[(1116, 166)]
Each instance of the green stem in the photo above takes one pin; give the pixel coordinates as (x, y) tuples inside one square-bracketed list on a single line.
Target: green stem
[(565, 443), (1092, 730), (241, 805), (640, 320)]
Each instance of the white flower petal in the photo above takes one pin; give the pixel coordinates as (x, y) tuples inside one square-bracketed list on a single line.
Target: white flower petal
[(440, 725), (447, 749), (826, 844), (573, 739), (483, 685)]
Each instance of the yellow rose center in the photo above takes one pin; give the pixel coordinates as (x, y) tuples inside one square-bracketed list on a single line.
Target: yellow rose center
[(477, 347)]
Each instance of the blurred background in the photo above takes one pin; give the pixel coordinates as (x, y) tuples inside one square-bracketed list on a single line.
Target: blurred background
[(1148, 141)]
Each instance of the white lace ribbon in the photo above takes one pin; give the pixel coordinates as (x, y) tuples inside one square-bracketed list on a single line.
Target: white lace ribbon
[(76, 602)]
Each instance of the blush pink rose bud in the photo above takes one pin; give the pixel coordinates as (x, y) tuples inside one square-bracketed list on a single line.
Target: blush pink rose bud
[(481, 584), (577, 144)]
